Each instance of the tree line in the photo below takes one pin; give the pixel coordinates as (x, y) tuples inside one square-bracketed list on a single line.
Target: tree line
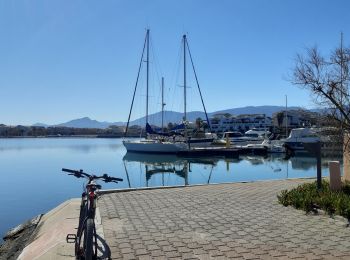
[(56, 131)]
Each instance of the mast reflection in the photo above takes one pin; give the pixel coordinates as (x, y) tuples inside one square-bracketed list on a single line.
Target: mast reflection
[(155, 164)]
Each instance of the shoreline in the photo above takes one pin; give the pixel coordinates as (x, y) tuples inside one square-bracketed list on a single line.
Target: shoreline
[(16, 239), (67, 136)]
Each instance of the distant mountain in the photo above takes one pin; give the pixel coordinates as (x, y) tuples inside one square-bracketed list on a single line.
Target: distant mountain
[(40, 124), (85, 122), (267, 110), (171, 116)]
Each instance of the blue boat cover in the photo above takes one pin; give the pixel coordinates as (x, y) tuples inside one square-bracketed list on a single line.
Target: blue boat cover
[(151, 131)]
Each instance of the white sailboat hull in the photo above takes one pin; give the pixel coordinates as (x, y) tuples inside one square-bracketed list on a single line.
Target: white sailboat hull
[(145, 146)]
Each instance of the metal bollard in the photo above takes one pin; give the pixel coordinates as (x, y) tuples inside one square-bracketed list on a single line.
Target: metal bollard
[(334, 175), (228, 144)]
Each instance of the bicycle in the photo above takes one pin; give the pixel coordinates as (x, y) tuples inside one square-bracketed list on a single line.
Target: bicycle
[(86, 238)]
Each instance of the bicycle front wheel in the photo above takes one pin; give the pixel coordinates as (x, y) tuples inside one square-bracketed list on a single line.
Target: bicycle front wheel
[(89, 239)]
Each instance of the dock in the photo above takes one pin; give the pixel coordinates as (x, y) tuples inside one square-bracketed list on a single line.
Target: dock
[(223, 221)]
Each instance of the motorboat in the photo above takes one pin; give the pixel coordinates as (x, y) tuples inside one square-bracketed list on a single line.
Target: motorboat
[(250, 137), (298, 136), (274, 146), (257, 133)]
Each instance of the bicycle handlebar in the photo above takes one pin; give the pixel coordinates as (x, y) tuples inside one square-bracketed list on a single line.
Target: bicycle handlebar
[(81, 174)]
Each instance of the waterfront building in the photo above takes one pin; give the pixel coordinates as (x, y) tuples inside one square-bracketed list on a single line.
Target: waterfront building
[(294, 119), (224, 122)]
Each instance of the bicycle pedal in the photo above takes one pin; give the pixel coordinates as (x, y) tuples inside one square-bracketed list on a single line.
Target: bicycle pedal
[(71, 238)]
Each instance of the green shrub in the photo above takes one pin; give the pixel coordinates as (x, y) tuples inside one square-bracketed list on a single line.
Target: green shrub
[(309, 198)]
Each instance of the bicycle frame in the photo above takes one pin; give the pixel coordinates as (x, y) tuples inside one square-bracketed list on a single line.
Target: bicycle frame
[(86, 237), (87, 211)]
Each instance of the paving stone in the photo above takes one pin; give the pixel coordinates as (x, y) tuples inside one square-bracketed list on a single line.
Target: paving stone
[(129, 256), (227, 221), (126, 250)]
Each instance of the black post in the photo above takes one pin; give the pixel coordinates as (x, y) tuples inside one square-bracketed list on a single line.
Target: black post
[(319, 173), (315, 149)]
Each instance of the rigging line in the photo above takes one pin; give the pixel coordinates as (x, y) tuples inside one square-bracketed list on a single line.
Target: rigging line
[(127, 173), (137, 80), (211, 171), (157, 79), (156, 62), (200, 92), (176, 76)]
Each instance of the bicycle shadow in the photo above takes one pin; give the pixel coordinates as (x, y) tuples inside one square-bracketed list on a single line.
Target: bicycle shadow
[(103, 250)]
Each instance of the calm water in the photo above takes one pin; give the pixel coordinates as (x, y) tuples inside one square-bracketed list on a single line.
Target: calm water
[(32, 181)]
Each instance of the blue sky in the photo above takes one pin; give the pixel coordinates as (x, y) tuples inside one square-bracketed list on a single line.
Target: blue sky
[(61, 60)]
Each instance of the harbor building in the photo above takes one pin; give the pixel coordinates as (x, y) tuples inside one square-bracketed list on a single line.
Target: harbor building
[(224, 122), (295, 118)]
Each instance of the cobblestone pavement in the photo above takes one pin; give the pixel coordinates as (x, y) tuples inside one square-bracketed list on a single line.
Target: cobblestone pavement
[(225, 221)]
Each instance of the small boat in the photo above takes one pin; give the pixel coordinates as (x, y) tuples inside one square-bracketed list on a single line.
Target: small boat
[(299, 136), (250, 137), (274, 146)]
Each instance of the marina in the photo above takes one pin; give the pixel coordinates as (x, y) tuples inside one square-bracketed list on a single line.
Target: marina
[(174, 130), (42, 160)]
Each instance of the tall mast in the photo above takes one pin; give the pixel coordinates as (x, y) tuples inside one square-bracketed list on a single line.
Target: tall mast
[(184, 43), (137, 81), (147, 76), (199, 89), (163, 104)]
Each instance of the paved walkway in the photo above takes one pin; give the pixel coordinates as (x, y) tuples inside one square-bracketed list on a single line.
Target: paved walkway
[(240, 221)]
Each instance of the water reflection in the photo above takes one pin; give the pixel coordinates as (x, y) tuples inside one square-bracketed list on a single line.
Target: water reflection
[(164, 165), (169, 170), (81, 145)]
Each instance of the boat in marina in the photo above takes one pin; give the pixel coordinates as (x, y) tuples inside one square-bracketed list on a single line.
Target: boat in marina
[(154, 146), (252, 136), (297, 137), (252, 140), (274, 146), (149, 145), (180, 139)]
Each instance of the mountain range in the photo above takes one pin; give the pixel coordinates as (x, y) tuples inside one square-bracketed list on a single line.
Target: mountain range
[(170, 116)]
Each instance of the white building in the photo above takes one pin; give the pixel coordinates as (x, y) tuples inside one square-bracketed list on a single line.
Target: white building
[(294, 118), (227, 122)]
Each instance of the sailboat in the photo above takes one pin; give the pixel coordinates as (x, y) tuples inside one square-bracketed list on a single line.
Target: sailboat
[(154, 145), (159, 142)]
